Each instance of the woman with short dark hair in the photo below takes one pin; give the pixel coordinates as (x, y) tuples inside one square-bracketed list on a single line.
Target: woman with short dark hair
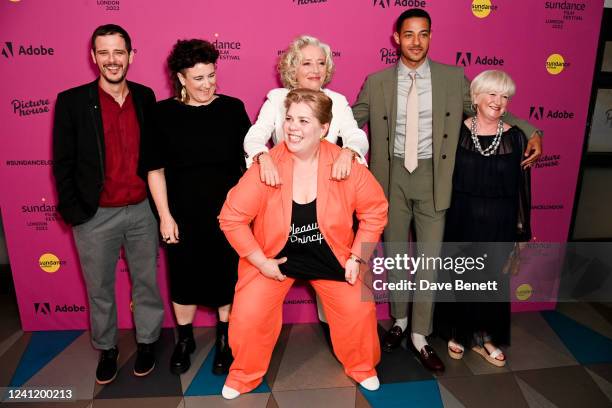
[(195, 159)]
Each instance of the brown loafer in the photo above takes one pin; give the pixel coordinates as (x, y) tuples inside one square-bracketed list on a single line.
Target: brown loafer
[(430, 359), (392, 339)]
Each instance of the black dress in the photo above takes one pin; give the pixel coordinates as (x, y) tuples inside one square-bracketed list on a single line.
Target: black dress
[(490, 203), (200, 149)]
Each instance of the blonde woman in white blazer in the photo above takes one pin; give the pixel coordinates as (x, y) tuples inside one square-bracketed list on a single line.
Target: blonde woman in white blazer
[(307, 63)]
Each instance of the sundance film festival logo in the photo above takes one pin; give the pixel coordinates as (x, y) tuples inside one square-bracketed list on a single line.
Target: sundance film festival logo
[(9, 50), (561, 12), (539, 113), (30, 107), (465, 59), (307, 2), (228, 50), (548, 160), (109, 5), (385, 4), (482, 8), (39, 215), (555, 64)]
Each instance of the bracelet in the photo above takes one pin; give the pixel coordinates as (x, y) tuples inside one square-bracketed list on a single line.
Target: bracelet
[(355, 154), (257, 156), (357, 259)]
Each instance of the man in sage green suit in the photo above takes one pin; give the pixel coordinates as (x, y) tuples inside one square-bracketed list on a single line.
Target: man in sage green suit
[(423, 194)]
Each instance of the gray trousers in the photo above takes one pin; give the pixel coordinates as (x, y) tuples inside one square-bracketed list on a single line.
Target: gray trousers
[(411, 198), (98, 242)]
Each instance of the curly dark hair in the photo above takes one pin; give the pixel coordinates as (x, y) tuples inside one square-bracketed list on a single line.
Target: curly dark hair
[(187, 53)]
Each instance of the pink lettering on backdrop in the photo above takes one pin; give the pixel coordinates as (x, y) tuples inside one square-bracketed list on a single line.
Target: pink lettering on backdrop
[(45, 50)]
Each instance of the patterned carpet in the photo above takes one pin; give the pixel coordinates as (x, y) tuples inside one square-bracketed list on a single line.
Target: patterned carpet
[(560, 358)]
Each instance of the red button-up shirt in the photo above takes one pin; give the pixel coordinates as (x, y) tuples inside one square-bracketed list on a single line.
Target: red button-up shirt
[(122, 186)]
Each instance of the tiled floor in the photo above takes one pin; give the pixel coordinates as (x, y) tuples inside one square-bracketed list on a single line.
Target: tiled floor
[(560, 358)]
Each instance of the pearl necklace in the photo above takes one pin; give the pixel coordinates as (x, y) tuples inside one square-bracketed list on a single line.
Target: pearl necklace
[(493, 147)]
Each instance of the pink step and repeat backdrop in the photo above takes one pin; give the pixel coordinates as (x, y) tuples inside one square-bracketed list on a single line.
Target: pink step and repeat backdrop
[(548, 47)]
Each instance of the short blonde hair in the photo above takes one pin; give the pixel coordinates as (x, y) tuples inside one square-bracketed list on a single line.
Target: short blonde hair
[(492, 81), (320, 103), (292, 57)]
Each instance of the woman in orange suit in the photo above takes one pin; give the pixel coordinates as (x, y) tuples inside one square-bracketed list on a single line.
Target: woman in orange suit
[(303, 229)]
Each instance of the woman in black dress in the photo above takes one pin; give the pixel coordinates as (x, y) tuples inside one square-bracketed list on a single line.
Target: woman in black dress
[(490, 203), (195, 158)]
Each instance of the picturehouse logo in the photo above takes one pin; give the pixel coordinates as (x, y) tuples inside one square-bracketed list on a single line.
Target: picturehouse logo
[(539, 113), (555, 64), (9, 50), (482, 8), (389, 55), (29, 107), (42, 308), (386, 4), (466, 59), (50, 263)]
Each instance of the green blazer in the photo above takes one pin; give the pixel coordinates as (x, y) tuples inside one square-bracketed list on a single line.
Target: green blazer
[(377, 106)]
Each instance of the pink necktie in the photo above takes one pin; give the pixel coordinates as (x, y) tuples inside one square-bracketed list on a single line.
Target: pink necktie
[(412, 126)]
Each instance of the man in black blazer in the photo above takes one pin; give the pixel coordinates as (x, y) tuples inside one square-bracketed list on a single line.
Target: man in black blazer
[(97, 132)]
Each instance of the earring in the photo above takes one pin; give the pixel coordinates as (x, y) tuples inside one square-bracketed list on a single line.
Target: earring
[(474, 108), (184, 96)]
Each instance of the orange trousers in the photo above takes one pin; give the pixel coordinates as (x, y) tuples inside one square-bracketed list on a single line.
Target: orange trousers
[(257, 317)]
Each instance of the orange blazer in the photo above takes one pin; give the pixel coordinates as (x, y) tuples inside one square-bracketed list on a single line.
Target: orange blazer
[(255, 215)]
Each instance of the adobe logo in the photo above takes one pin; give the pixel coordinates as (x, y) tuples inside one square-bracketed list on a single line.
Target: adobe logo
[(42, 308)]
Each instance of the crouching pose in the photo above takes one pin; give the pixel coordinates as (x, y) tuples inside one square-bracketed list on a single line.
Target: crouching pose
[(303, 229)]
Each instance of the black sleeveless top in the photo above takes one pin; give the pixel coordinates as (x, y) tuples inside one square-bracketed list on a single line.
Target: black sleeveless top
[(308, 255)]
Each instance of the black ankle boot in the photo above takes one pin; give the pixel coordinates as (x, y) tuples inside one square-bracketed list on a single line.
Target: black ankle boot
[(180, 361), (223, 352)]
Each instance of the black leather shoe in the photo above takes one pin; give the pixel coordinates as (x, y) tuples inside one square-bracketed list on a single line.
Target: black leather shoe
[(223, 353), (392, 339), (145, 359), (180, 361), (429, 359), (107, 366)]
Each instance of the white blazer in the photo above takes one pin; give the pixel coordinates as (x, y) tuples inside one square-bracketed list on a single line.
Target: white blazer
[(272, 115)]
